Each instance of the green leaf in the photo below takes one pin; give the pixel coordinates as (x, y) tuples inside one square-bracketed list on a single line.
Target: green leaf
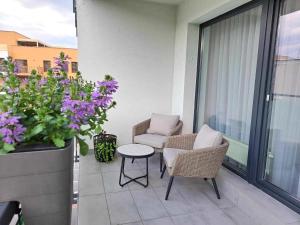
[(8, 147), (36, 130), (84, 148), (48, 118), (58, 142), (98, 129)]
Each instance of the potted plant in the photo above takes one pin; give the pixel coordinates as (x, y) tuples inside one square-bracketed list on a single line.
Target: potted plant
[(105, 147), (39, 118)]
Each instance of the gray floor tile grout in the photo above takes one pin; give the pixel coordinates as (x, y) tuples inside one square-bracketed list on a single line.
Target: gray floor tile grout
[(109, 216), (129, 190), (156, 186), (141, 220), (169, 215), (160, 218)]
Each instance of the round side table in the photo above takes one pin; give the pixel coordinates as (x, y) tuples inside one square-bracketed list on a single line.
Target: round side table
[(134, 151)]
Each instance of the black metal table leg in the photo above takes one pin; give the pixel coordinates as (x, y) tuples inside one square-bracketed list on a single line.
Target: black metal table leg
[(147, 173), (135, 179), (121, 171)]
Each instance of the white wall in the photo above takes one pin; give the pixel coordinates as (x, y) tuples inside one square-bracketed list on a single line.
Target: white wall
[(190, 14), (134, 42), (151, 49)]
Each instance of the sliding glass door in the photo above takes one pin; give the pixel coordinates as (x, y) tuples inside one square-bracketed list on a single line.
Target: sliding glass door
[(282, 164), (229, 53), (248, 88)]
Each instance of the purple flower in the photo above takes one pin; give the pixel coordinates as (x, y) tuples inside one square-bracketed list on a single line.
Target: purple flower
[(43, 81), (13, 90), (61, 63), (8, 139), (96, 95), (25, 81), (65, 82), (109, 86), (58, 76), (103, 101), (74, 126), (16, 67), (77, 111), (82, 94), (18, 132), (11, 131), (5, 132)]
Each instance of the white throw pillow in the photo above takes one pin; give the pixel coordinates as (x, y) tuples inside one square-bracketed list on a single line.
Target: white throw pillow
[(207, 137), (162, 124)]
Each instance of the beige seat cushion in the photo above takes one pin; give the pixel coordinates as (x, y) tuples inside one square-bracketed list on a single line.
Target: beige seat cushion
[(207, 137), (153, 140), (170, 155), (162, 124)]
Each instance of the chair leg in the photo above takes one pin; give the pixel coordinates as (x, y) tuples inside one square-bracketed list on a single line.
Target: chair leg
[(163, 172), (169, 187), (215, 187), (161, 158)]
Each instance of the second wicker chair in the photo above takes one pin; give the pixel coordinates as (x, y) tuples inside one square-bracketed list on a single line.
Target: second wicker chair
[(182, 160)]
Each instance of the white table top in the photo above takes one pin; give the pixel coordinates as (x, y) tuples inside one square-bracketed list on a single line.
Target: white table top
[(135, 150)]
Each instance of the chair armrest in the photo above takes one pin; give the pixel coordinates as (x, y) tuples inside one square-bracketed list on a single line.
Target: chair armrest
[(140, 128), (204, 162), (185, 141), (177, 129)]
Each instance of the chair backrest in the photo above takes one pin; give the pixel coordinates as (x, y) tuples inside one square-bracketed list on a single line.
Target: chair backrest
[(213, 160), (177, 130), (163, 124), (203, 163)]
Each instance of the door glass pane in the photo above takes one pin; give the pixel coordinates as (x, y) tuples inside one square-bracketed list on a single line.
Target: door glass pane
[(229, 51), (283, 157)]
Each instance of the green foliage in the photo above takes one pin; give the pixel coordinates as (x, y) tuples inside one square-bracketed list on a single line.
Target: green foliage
[(84, 148), (39, 102)]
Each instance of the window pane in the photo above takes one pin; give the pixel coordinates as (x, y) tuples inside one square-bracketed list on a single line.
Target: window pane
[(283, 158), (74, 67), (227, 78), (2, 67), (22, 65), (46, 65)]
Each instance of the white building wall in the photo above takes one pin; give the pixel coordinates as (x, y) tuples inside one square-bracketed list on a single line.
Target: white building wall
[(190, 14), (134, 42), (151, 49)]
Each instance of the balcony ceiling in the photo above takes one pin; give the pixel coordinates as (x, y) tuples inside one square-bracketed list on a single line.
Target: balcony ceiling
[(173, 2)]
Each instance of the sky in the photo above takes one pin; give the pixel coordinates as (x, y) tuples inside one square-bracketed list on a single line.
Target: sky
[(289, 35), (50, 21)]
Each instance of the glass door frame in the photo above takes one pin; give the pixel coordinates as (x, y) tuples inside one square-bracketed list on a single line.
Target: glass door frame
[(261, 152), (259, 74), (264, 74)]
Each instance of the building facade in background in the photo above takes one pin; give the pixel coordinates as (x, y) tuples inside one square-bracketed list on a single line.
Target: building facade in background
[(32, 54)]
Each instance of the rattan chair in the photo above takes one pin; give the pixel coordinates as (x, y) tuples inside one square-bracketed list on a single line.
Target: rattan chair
[(188, 162), (142, 127)]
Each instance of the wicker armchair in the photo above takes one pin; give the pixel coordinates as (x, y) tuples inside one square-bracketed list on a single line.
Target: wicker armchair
[(189, 162), (142, 127)]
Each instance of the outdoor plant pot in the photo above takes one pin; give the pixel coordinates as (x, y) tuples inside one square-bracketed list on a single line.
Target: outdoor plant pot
[(41, 179), (105, 147)]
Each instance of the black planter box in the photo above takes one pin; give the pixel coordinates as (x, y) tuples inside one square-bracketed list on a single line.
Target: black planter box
[(106, 140)]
